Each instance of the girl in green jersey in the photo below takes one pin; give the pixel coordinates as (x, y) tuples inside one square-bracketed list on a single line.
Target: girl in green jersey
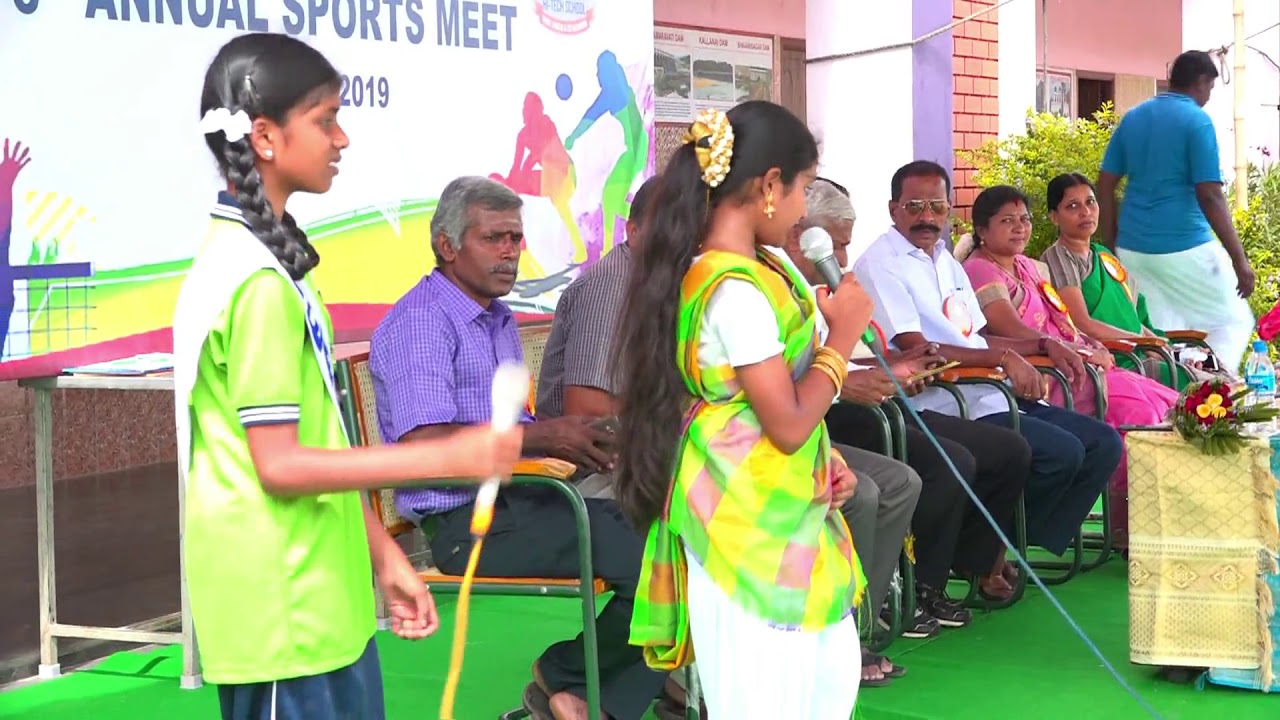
[(280, 548)]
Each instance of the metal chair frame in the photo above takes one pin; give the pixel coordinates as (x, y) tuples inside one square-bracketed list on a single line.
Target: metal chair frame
[(529, 473)]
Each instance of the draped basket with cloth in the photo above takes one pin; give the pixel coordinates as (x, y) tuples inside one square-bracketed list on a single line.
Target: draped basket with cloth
[(1203, 539), (1267, 677)]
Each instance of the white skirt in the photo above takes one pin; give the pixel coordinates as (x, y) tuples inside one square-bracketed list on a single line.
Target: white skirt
[(749, 670), (1196, 290)]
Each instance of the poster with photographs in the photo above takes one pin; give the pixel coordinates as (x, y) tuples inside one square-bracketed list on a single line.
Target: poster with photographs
[(1062, 91), (693, 69)]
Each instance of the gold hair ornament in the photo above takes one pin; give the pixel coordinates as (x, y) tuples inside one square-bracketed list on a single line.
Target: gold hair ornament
[(712, 138)]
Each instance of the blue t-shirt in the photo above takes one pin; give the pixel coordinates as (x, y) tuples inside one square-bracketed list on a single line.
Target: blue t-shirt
[(1165, 146)]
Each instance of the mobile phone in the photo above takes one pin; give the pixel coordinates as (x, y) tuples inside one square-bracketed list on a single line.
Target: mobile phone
[(933, 371)]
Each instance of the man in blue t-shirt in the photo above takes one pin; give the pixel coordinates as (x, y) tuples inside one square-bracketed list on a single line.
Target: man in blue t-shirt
[(1173, 206)]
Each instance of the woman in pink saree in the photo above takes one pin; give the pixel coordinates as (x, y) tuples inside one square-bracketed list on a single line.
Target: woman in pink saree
[(1019, 302)]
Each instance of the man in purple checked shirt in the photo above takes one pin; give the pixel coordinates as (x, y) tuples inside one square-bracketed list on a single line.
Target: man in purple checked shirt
[(433, 360)]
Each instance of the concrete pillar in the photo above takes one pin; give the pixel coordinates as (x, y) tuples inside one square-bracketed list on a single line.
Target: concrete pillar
[(864, 109), (1018, 65)]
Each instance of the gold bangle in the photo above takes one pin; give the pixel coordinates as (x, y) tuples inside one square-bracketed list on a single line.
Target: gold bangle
[(838, 372), (832, 359), (832, 353), (831, 375)]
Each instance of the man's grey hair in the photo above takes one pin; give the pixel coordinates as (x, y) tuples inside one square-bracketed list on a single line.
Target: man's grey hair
[(825, 203), (453, 209)]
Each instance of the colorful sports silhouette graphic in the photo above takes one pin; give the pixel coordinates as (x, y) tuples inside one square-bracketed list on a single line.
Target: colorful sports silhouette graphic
[(14, 159), (617, 99), (542, 167)]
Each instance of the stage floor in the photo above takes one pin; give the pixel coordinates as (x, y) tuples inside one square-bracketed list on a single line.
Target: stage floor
[(1022, 662)]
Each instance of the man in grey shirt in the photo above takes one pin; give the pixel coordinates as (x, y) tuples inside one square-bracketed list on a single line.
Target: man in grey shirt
[(577, 374), (577, 379)]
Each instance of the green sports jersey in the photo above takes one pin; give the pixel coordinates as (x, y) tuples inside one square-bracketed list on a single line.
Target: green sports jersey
[(279, 587)]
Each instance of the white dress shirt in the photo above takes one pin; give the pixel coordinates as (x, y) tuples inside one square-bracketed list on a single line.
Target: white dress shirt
[(930, 294)]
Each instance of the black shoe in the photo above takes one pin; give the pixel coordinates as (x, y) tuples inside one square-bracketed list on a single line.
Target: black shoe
[(948, 613), (536, 703), (923, 625)]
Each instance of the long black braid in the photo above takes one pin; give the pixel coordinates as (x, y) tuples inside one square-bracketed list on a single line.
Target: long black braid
[(285, 239), (264, 75)]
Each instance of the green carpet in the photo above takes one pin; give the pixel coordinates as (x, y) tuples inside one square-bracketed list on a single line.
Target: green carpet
[(1020, 663)]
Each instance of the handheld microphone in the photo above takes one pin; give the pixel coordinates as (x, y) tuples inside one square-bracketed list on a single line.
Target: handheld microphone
[(817, 248), (510, 393)]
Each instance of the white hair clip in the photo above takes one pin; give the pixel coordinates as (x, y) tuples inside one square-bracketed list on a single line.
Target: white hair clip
[(235, 125)]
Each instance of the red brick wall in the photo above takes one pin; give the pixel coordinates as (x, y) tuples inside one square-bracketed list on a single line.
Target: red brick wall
[(976, 106), (94, 431)]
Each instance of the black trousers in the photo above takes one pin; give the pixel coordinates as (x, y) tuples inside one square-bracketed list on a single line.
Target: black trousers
[(534, 535), (951, 534)]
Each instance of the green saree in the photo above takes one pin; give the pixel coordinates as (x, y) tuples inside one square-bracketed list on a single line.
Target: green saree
[(1109, 297)]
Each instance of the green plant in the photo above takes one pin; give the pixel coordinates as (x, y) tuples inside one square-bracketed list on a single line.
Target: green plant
[(1051, 146), (1258, 226)]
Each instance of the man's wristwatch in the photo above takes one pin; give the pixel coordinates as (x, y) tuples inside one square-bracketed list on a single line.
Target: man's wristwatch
[(1044, 346)]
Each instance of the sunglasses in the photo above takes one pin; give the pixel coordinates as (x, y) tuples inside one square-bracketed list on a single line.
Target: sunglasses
[(915, 208)]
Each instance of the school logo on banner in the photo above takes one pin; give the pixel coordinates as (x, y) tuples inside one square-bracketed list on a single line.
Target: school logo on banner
[(566, 17)]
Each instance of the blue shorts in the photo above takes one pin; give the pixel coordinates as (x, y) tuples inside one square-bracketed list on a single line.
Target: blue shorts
[(350, 693)]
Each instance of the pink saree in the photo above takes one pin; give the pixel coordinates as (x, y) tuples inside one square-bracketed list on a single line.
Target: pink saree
[(1132, 399)]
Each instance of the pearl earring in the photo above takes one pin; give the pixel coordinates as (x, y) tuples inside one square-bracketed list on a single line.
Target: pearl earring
[(268, 153)]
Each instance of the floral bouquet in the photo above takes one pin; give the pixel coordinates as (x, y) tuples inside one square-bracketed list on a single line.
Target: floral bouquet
[(1211, 416)]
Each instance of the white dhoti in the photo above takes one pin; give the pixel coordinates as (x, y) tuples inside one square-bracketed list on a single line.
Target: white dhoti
[(750, 670), (1195, 290)]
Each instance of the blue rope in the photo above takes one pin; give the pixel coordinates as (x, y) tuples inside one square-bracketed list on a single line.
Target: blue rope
[(1022, 562)]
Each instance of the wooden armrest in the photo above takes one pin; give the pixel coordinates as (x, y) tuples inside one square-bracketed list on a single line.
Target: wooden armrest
[(431, 576), (1151, 342), (972, 373), (1193, 335), (545, 467), (1119, 346), (398, 528)]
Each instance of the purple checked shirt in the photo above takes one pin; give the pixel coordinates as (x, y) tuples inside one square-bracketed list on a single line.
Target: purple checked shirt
[(433, 358)]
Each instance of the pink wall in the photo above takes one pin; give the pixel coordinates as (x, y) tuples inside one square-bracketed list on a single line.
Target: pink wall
[(762, 17), (1130, 37)]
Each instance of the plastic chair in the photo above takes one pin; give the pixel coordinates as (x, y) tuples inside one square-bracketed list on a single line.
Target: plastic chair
[(1160, 346)]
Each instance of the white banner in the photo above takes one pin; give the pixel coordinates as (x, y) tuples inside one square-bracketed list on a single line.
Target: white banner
[(103, 203), (693, 70)]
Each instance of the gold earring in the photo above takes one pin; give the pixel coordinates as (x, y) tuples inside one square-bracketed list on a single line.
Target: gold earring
[(768, 203)]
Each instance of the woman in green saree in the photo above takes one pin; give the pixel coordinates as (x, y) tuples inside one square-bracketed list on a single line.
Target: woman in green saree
[(1098, 291)]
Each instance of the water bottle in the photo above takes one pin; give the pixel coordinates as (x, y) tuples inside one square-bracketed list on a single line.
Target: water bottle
[(1260, 378)]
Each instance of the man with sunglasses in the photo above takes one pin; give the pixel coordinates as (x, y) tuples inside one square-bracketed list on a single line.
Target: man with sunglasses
[(923, 295), (994, 461)]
